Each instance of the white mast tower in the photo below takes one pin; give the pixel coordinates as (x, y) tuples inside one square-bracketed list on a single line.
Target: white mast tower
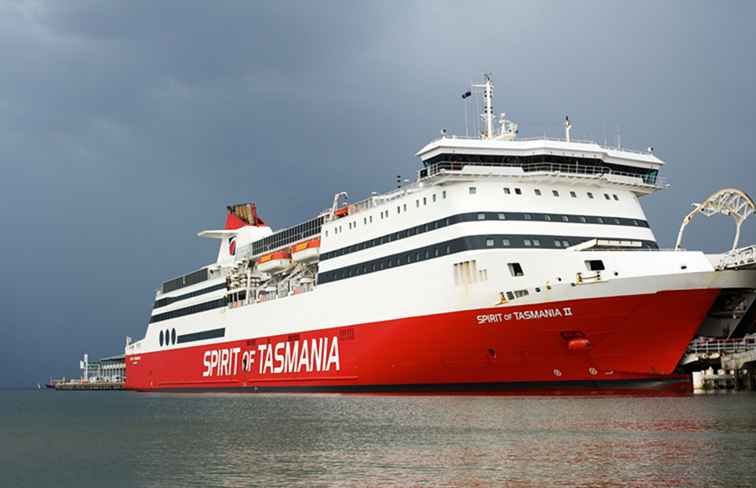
[(487, 114)]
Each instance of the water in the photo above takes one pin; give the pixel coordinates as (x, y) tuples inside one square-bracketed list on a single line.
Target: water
[(118, 439)]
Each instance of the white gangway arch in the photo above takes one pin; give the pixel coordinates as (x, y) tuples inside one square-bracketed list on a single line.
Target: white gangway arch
[(727, 201)]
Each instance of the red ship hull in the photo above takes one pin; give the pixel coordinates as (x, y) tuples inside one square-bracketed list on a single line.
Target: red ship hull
[(622, 344)]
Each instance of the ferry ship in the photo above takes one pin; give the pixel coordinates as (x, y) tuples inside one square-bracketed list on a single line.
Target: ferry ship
[(508, 265)]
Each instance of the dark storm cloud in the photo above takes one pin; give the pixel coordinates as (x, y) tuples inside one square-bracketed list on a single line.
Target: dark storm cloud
[(126, 127)]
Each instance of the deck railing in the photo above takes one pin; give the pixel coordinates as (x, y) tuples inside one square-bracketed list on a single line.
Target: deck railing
[(727, 346)]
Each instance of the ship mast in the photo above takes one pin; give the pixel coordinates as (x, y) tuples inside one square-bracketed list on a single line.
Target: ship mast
[(487, 114)]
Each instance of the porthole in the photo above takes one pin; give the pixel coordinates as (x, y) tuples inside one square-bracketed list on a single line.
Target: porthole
[(161, 338), (173, 336)]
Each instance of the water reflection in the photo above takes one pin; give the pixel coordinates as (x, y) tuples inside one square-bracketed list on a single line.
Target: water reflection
[(289, 440)]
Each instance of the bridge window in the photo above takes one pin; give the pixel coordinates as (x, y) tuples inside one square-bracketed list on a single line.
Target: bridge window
[(565, 218), (536, 243), (481, 216), (527, 243), (489, 243)]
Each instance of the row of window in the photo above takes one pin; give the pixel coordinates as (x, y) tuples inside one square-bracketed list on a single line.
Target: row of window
[(478, 216), (518, 191), (288, 236), (454, 246), (200, 307), (385, 214), (472, 190), (187, 280), (538, 162)]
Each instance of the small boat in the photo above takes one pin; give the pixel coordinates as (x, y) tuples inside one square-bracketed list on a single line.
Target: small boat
[(306, 251), (274, 262)]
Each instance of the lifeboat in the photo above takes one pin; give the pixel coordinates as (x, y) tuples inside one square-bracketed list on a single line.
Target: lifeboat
[(274, 262), (306, 251)]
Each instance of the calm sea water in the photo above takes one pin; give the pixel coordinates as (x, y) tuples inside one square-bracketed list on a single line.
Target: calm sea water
[(118, 439)]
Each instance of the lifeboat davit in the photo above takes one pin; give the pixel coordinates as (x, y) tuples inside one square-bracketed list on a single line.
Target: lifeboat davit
[(306, 251), (274, 262)]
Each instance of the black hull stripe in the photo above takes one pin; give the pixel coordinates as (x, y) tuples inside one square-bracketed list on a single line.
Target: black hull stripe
[(680, 382), (201, 336), (168, 300), (460, 244), (483, 217)]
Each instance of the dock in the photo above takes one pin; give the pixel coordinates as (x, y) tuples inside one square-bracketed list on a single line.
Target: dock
[(87, 386)]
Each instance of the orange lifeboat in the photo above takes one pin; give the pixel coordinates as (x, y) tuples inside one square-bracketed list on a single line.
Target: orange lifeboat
[(306, 251), (274, 262)]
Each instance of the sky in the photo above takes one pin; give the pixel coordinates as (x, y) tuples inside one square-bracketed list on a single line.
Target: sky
[(126, 127)]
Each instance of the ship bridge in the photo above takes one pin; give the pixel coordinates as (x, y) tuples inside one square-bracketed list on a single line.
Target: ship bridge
[(541, 159)]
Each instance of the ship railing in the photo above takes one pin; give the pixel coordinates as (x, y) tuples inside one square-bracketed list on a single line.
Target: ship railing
[(649, 180), (742, 257), (552, 139), (704, 345)]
